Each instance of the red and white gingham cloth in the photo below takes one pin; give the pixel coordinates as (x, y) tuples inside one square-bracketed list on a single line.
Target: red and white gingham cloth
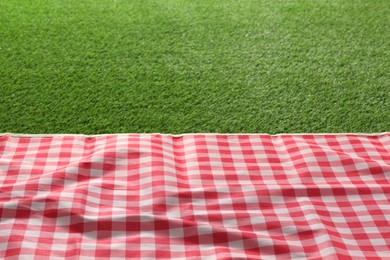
[(206, 196)]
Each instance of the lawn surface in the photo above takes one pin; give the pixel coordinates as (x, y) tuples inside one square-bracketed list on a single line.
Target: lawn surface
[(177, 66)]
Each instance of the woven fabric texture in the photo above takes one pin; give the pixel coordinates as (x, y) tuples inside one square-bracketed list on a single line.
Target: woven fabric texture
[(196, 196)]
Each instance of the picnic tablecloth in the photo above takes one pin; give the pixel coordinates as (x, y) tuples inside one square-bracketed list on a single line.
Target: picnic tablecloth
[(195, 196)]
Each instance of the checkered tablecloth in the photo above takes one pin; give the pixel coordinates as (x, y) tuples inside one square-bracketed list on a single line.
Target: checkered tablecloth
[(200, 196)]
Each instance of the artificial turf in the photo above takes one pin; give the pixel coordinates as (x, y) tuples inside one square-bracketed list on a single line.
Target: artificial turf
[(179, 66)]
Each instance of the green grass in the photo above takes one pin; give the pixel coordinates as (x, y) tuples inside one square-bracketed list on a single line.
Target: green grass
[(177, 66)]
